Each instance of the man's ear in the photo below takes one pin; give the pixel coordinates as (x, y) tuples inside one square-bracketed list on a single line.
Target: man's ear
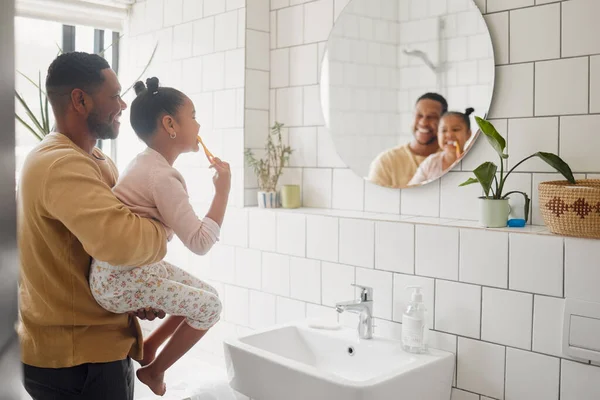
[(81, 101)]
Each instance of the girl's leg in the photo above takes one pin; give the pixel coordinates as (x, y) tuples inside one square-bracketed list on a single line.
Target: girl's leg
[(158, 336), (202, 309)]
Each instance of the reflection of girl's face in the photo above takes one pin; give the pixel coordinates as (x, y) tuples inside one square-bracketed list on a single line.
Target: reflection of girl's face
[(453, 130)]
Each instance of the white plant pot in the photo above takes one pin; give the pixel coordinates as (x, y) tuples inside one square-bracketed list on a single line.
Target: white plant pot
[(268, 199), (493, 213)]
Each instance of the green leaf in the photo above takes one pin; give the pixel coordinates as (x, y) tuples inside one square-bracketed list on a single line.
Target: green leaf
[(558, 164), (485, 174), (37, 86), (26, 125), (469, 181), (492, 135), (30, 114)]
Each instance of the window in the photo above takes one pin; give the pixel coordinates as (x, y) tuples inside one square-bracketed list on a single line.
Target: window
[(37, 43)]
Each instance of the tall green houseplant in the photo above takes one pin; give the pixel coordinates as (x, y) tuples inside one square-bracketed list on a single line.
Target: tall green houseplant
[(492, 182)]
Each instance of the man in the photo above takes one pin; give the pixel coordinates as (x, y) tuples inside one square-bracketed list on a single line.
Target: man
[(71, 347), (395, 168)]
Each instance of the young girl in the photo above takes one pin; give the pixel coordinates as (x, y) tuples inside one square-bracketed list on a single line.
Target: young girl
[(164, 118), (453, 133)]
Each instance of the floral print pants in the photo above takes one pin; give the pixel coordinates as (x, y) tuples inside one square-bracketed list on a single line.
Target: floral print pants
[(161, 286)]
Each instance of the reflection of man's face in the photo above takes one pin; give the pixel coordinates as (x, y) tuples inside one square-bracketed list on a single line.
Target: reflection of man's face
[(427, 118)]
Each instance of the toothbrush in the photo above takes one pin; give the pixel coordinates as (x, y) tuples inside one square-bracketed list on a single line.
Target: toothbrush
[(208, 154), (457, 146)]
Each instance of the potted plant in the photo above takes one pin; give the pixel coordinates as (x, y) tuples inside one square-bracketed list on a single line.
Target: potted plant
[(269, 168), (494, 207)]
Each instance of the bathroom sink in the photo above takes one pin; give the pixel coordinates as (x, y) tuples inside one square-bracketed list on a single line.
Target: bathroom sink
[(298, 362)]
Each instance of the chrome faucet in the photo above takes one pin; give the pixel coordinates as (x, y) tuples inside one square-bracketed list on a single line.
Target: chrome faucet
[(364, 308)]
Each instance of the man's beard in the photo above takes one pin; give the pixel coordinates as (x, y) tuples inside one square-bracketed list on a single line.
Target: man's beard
[(98, 128)]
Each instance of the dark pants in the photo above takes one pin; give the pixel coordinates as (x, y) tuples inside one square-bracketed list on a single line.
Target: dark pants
[(106, 381)]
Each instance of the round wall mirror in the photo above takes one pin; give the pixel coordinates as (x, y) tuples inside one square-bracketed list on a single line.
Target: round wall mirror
[(401, 84)]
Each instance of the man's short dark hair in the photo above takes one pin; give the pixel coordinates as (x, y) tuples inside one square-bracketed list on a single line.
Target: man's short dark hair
[(74, 70), (436, 97)]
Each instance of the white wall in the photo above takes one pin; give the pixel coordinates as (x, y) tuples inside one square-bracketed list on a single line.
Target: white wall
[(495, 297)]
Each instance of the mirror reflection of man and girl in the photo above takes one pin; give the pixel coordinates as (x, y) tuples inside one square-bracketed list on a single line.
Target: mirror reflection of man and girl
[(439, 140)]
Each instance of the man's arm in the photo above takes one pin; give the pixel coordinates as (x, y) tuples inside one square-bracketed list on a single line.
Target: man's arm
[(75, 195)]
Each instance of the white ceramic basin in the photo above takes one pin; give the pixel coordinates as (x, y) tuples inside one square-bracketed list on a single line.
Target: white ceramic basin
[(297, 362)]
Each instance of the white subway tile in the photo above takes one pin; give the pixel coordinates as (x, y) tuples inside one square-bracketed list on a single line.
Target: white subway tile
[(531, 376), (501, 5), (257, 89), (513, 92), (595, 84), (423, 201), (263, 230), (458, 394), (289, 310), (548, 325), (305, 277), (381, 282), (280, 68), (248, 269), (443, 341), (322, 314), (303, 65), (226, 35), (459, 202), (256, 128), (379, 199), (154, 13), (277, 4), (234, 231), (395, 247), (213, 72), (318, 20), (528, 136), (183, 41), (581, 269), (339, 6), (262, 310), (237, 309), (322, 238), (484, 257), (276, 274), (192, 9), (575, 131), (441, 263), (291, 234), (290, 26), (580, 28), (402, 295), (204, 36), (336, 282), (222, 263), (257, 50), (192, 75), (273, 29), (357, 242), (225, 109), (234, 69), (241, 28), (458, 308), (533, 256), (316, 187), (327, 156), (235, 4), (579, 381), (480, 367), (562, 87), (542, 43), (387, 329), (257, 14), (507, 318), (290, 106), (173, 12), (212, 7), (498, 27), (348, 190), (303, 142), (313, 114)]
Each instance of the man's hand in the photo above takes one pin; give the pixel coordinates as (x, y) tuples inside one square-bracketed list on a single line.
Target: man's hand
[(148, 314)]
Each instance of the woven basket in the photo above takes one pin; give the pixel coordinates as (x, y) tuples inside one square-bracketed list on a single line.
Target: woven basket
[(571, 210)]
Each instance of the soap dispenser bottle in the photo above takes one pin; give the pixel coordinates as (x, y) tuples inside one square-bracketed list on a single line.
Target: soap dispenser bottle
[(414, 323)]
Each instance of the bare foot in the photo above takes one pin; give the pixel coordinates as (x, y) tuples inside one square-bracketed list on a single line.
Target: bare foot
[(154, 382), (149, 355)]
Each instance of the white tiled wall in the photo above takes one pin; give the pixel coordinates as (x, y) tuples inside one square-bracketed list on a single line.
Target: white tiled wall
[(495, 297)]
